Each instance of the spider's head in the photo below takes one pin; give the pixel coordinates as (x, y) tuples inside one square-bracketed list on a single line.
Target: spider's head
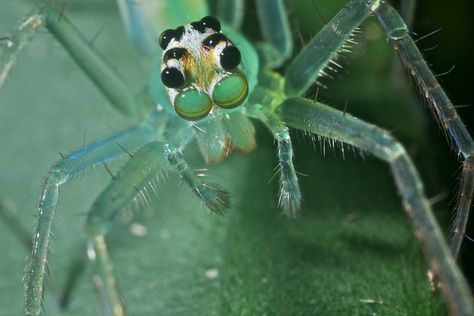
[(200, 69)]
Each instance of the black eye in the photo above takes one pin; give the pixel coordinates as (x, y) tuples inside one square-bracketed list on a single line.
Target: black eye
[(207, 22), (174, 53), (230, 58), (212, 23), (167, 35), (172, 77), (199, 26), (214, 39)]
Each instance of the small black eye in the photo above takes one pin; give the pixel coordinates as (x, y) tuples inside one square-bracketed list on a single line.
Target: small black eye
[(172, 77), (214, 39), (199, 26), (230, 58), (207, 22), (167, 35), (212, 23), (165, 38), (178, 33), (174, 53)]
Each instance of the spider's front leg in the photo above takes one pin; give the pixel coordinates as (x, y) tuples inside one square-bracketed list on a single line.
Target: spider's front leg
[(87, 157), (12, 45), (290, 195), (112, 86), (323, 120), (212, 197), (321, 51), (145, 166), (443, 108)]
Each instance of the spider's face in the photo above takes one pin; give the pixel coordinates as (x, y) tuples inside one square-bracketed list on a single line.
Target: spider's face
[(200, 69)]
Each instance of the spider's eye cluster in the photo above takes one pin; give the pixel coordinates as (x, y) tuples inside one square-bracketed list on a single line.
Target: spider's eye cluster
[(200, 69)]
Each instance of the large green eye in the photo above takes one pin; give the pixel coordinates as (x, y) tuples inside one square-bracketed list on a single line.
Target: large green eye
[(192, 105), (230, 92)]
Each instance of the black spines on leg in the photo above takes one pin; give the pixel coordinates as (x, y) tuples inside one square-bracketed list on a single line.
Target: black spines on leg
[(214, 198)]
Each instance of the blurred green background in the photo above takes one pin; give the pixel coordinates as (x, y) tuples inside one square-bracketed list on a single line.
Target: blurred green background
[(350, 252)]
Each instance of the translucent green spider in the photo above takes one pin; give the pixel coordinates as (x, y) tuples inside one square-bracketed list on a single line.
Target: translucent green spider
[(209, 82)]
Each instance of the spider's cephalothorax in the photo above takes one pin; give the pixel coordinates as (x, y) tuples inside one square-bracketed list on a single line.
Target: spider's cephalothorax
[(200, 69)]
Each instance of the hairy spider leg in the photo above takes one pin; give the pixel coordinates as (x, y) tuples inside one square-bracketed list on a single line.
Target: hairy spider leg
[(274, 52), (320, 119), (231, 12), (20, 232), (319, 53), (277, 48), (210, 195), (443, 108), (290, 194), (275, 28), (324, 47), (88, 59), (12, 45), (97, 153), (146, 165)]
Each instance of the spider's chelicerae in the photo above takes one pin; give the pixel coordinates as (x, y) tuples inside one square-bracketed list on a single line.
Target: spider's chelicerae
[(209, 87)]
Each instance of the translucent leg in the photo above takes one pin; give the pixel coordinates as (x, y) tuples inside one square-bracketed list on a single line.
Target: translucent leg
[(214, 198), (132, 179), (324, 46), (231, 12), (89, 156), (101, 73), (96, 68), (290, 194), (12, 45), (23, 236), (276, 31), (446, 114), (397, 73), (323, 120), (145, 166), (14, 225), (407, 11), (463, 206), (75, 271)]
